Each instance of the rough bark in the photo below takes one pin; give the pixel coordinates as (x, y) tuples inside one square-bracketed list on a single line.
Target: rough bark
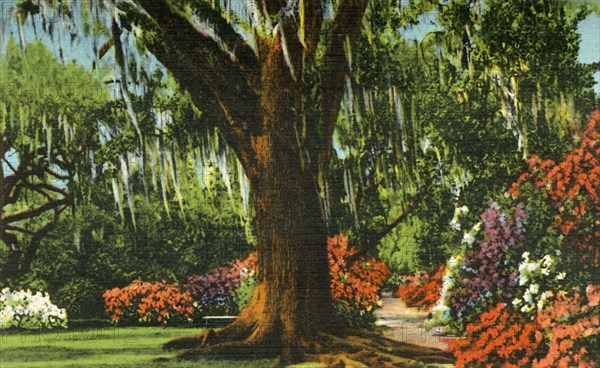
[(292, 302)]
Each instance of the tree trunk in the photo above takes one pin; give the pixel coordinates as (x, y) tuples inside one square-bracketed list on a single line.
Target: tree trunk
[(11, 269), (293, 300)]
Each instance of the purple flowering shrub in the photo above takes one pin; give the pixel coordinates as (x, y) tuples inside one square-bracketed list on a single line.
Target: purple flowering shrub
[(485, 272), (484, 275), (214, 291)]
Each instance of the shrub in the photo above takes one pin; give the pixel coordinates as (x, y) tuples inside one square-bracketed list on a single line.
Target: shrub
[(82, 298), (356, 285), (213, 291), (563, 334), (244, 292), (484, 271), (422, 290), (149, 303), (497, 338), (23, 309), (549, 322), (572, 186), (571, 326)]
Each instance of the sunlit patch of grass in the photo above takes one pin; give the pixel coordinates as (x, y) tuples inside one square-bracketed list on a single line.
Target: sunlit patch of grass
[(102, 347)]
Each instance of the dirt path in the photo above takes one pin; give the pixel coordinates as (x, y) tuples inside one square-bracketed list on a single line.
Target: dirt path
[(406, 324)]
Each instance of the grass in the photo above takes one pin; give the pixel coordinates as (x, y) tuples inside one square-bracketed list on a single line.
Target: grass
[(101, 347)]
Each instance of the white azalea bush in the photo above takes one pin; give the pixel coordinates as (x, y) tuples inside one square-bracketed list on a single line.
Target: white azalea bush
[(26, 310)]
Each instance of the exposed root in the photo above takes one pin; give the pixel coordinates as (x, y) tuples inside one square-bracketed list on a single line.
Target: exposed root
[(361, 349)]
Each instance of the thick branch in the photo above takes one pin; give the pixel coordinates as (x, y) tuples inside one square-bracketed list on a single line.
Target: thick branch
[(36, 240), (373, 239), (311, 21), (236, 45), (342, 37), (32, 212), (209, 73)]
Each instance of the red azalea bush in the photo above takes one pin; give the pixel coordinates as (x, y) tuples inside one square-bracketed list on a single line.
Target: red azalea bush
[(151, 303), (244, 269), (559, 336), (571, 325), (422, 290), (573, 187), (498, 338), (356, 284)]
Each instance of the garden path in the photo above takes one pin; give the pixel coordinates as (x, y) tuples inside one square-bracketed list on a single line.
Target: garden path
[(407, 324)]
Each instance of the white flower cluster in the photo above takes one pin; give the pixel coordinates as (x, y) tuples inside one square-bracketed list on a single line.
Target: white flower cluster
[(469, 237), (459, 211), (440, 313), (531, 275), (22, 309)]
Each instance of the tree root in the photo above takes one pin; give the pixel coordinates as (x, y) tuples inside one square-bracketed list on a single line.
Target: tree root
[(360, 349)]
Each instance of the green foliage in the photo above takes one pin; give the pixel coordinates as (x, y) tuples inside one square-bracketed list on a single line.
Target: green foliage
[(244, 292), (460, 108), (92, 251)]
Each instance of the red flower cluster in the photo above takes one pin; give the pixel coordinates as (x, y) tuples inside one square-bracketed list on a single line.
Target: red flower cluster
[(498, 339), (573, 184), (422, 290), (503, 338), (358, 282), (148, 303), (565, 322)]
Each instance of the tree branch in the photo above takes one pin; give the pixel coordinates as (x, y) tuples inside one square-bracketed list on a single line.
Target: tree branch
[(32, 212), (36, 239), (373, 239), (311, 20), (211, 75), (342, 37)]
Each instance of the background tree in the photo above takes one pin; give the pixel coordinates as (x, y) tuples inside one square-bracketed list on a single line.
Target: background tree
[(48, 113)]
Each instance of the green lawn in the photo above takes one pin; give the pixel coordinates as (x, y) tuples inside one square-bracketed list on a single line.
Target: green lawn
[(100, 347)]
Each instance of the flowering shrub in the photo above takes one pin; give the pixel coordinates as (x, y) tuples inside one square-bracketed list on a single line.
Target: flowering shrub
[(150, 303), (572, 186), (355, 286), (537, 280), (213, 291), (217, 292), (23, 309), (571, 326), (244, 269), (563, 335), (483, 275), (540, 317), (422, 290), (498, 338), (485, 271)]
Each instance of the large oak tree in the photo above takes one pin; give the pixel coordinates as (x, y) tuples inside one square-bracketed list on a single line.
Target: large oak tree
[(274, 90)]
